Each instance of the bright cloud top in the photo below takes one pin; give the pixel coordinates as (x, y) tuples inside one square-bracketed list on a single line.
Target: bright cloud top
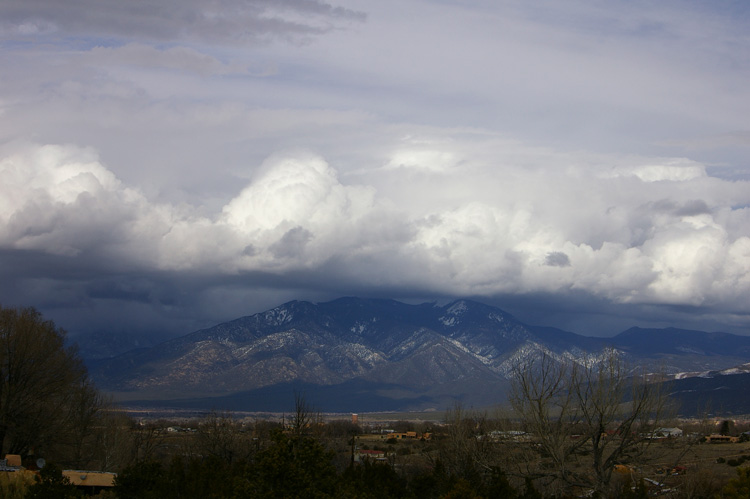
[(653, 231)]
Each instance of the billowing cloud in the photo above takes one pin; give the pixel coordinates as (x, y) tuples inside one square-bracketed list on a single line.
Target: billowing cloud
[(60, 199), (297, 211), (296, 214)]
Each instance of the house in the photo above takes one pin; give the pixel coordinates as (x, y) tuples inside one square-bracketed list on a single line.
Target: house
[(92, 482), (716, 439), (407, 435), (373, 456), (666, 433)]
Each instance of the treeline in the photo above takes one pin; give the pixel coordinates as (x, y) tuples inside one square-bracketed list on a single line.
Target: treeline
[(219, 456), (577, 429), (301, 466), (310, 458)]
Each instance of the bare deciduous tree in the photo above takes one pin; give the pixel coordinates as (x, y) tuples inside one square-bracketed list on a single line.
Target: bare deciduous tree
[(220, 435), (144, 441), (114, 440), (585, 418), (305, 420), (466, 449)]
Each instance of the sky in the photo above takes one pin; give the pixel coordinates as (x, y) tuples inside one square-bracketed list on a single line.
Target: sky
[(167, 165)]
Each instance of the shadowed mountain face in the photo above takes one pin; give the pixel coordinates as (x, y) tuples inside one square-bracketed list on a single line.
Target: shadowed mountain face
[(358, 351)]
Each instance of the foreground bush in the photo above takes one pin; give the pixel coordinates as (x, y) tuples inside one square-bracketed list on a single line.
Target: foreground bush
[(15, 485)]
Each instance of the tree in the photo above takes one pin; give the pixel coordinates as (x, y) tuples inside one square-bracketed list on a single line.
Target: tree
[(86, 417), (141, 480), (184, 477), (293, 467), (727, 427), (305, 419), (51, 483), (219, 435), (739, 486), (585, 417), (371, 480), (114, 440), (42, 385), (463, 449)]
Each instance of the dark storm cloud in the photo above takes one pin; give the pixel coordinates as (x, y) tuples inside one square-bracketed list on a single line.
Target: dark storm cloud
[(127, 289), (225, 20)]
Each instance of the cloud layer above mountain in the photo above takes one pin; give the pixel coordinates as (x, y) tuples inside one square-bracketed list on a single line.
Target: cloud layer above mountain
[(170, 166)]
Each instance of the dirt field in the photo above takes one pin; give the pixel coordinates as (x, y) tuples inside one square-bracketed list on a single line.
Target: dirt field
[(704, 462), (671, 468)]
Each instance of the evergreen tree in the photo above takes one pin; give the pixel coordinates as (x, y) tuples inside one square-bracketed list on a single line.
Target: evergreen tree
[(142, 480), (371, 481), (51, 484), (297, 466)]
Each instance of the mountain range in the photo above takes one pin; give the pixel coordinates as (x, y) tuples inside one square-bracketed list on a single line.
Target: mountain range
[(361, 355)]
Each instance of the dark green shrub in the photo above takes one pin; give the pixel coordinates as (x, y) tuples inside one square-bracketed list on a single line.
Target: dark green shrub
[(52, 484)]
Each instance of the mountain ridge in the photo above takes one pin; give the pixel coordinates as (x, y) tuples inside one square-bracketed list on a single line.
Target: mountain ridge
[(430, 351)]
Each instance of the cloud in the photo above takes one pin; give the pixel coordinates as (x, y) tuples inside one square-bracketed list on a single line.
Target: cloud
[(57, 198), (736, 138), (677, 169), (174, 58), (557, 259), (225, 21), (300, 148), (297, 210), (686, 248)]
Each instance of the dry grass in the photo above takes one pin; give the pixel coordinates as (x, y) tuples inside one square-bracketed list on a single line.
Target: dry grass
[(13, 485)]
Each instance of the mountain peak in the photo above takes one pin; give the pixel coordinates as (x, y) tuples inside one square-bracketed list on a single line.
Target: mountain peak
[(458, 307), (413, 352)]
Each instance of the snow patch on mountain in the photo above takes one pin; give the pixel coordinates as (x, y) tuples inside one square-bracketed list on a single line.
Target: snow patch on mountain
[(741, 369), (452, 314), (496, 317), (358, 328), (449, 321), (486, 360), (364, 353), (458, 308), (375, 341), (277, 341), (278, 316), (690, 374)]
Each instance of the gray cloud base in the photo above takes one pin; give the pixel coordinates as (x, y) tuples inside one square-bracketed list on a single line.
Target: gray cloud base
[(640, 233)]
